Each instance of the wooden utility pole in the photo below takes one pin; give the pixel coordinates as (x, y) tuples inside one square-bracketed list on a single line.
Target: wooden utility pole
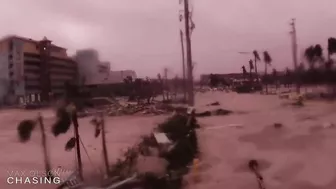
[(190, 82), (294, 49), (105, 156), (183, 68), (44, 146), (78, 152), (166, 85)]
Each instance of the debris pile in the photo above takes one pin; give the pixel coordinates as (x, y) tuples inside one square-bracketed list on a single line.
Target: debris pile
[(147, 109)]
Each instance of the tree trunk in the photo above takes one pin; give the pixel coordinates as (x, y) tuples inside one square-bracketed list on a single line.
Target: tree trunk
[(256, 69), (266, 78), (251, 79), (107, 166), (79, 158), (190, 78), (44, 147), (183, 69)]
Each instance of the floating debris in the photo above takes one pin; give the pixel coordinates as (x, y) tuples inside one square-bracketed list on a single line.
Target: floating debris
[(254, 167), (277, 125), (214, 104), (70, 144)]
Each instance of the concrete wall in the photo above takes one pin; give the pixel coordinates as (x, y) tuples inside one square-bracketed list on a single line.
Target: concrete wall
[(18, 67), (4, 77), (4, 46)]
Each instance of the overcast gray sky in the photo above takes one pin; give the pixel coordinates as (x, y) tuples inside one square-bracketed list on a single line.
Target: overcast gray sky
[(144, 34)]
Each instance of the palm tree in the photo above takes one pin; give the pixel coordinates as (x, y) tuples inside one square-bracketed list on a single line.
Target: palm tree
[(161, 86), (99, 122), (67, 114), (331, 46), (309, 54), (275, 78), (318, 52), (25, 129), (251, 68), (244, 71), (267, 60), (256, 58), (313, 55), (288, 80)]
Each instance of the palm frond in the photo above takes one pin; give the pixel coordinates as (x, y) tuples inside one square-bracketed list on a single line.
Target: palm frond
[(309, 54), (253, 164), (256, 55), (267, 58), (25, 129), (70, 144), (62, 123)]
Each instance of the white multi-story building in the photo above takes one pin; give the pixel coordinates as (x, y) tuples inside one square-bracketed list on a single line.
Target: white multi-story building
[(92, 71), (30, 68)]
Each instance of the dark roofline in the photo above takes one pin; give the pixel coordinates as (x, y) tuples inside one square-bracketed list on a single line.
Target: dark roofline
[(26, 39)]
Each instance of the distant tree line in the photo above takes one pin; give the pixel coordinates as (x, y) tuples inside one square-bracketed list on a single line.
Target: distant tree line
[(316, 69)]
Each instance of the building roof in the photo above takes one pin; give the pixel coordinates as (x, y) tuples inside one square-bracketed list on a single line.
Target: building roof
[(8, 37)]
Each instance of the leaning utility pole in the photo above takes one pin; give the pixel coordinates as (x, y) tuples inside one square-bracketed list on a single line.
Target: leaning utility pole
[(183, 68), (166, 84), (294, 49), (190, 82)]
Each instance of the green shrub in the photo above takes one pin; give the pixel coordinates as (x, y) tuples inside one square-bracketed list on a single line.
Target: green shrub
[(186, 148), (176, 126)]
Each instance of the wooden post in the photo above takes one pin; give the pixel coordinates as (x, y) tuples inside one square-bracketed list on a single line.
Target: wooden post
[(79, 158), (107, 166), (191, 98), (294, 49), (183, 69), (44, 147)]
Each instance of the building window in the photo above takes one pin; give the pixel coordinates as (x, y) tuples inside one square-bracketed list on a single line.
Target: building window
[(11, 45), (10, 65)]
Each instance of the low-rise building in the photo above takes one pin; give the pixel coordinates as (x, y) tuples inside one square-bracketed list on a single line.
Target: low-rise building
[(33, 69)]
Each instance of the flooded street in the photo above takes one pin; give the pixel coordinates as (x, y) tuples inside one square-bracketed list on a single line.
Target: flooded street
[(300, 155), (122, 132)]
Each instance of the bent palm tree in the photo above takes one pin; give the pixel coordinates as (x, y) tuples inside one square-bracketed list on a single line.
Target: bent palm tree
[(25, 129), (309, 54), (331, 47), (251, 68), (267, 60), (318, 53), (256, 58), (244, 72)]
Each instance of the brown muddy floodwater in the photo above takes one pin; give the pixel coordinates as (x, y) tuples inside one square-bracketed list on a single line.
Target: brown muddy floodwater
[(299, 155), (122, 132)]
